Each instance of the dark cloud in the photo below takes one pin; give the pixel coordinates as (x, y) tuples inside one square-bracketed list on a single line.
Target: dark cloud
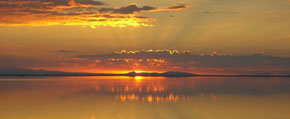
[(134, 8), (219, 12), (33, 4), (46, 3), (106, 9), (89, 2), (178, 7), (128, 9), (65, 51), (54, 2)]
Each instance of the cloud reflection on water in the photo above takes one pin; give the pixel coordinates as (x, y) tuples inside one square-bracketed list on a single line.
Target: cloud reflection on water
[(150, 89)]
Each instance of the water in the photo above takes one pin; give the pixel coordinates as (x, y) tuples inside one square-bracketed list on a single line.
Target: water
[(144, 98)]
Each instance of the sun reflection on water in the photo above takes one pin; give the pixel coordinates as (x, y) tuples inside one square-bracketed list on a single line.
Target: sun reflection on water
[(142, 88), (150, 98), (138, 79)]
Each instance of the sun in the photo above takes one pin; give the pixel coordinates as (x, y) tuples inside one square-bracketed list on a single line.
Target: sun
[(138, 71)]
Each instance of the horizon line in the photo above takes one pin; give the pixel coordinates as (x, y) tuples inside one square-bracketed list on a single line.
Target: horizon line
[(139, 74)]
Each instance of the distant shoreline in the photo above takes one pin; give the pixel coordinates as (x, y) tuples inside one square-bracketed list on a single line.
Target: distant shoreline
[(131, 74), (147, 75)]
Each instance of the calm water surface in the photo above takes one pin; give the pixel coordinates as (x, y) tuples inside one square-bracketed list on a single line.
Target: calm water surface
[(144, 98)]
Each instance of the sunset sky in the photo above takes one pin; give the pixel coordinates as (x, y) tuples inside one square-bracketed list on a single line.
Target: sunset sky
[(198, 36)]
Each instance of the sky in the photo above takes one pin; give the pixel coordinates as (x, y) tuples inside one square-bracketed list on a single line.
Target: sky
[(198, 36)]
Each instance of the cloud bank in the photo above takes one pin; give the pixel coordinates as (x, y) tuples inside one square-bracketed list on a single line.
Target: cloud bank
[(173, 60), (75, 12), (158, 60)]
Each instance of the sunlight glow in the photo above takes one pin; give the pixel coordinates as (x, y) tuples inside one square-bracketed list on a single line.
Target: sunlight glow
[(83, 20), (139, 71), (138, 78)]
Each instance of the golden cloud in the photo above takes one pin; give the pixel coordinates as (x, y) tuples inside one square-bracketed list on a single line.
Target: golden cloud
[(75, 13)]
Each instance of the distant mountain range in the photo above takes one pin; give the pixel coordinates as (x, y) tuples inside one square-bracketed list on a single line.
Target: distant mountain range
[(30, 72), (161, 74)]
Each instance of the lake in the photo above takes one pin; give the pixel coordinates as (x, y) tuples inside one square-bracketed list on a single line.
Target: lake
[(144, 98)]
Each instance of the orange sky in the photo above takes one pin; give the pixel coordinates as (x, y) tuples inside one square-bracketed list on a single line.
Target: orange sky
[(54, 34)]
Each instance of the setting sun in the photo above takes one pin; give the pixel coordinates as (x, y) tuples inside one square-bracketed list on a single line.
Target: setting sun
[(139, 71)]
